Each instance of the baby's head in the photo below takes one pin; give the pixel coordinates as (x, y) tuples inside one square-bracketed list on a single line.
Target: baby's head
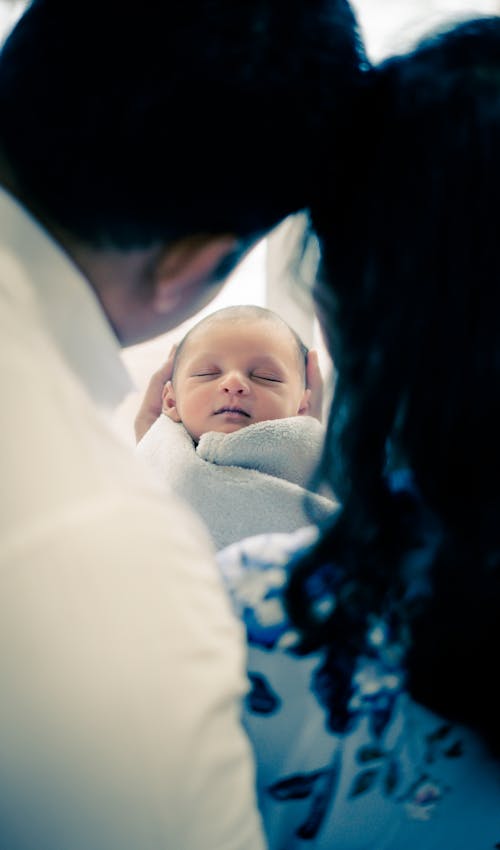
[(238, 366)]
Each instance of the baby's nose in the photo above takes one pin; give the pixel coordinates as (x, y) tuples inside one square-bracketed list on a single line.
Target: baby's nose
[(234, 383)]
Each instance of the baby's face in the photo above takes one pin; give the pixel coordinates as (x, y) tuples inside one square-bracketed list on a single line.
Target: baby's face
[(234, 373)]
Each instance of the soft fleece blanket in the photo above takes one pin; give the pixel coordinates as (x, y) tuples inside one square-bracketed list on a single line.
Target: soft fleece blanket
[(252, 481)]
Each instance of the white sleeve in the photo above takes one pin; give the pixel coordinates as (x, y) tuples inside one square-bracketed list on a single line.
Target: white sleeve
[(121, 677)]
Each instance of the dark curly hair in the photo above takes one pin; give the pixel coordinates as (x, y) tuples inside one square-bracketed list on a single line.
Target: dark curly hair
[(409, 296)]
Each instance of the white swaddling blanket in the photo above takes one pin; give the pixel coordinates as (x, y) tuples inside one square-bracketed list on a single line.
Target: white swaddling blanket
[(252, 481)]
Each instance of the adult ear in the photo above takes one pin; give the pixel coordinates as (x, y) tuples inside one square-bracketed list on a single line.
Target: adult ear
[(182, 270), (169, 404), (305, 404)]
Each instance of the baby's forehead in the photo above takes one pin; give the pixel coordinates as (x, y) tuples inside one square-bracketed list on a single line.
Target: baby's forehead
[(259, 336)]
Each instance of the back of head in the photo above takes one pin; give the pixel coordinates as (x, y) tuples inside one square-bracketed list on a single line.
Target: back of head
[(130, 125), (410, 293), (410, 249)]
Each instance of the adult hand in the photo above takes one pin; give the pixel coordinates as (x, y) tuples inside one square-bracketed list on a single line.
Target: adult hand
[(150, 408), (315, 384)]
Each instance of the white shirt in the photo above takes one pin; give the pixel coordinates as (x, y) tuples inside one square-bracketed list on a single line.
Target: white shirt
[(121, 664)]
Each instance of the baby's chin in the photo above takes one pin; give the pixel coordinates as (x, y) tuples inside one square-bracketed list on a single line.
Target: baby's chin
[(226, 427)]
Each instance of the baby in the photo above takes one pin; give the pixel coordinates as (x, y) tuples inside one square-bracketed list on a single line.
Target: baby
[(235, 439), (238, 366)]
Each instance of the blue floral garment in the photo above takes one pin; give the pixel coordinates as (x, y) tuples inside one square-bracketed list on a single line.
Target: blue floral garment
[(395, 778)]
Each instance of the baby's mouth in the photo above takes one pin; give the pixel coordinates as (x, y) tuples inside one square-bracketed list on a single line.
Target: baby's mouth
[(232, 411)]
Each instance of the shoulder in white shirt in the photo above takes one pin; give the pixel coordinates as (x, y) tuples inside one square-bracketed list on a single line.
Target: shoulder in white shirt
[(121, 664)]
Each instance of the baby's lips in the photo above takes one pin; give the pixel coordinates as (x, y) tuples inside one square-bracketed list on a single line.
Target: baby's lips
[(228, 409)]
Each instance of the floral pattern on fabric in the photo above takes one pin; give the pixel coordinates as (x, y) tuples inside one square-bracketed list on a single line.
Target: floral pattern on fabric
[(362, 754)]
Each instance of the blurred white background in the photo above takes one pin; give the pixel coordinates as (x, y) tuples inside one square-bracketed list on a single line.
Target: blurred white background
[(388, 26)]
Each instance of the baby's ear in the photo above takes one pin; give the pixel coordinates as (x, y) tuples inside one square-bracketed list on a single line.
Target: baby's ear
[(169, 405), (305, 404)]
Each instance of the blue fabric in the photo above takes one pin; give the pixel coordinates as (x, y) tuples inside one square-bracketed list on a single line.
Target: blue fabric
[(393, 776)]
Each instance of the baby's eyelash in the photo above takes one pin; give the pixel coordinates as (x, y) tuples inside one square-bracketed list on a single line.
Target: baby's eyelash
[(268, 378), (205, 374)]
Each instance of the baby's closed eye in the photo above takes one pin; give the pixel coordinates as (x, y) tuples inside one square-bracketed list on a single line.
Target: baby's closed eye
[(206, 373), (262, 377)]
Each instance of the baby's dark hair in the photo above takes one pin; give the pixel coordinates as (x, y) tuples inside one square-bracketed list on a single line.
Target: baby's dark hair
[(242, 313)]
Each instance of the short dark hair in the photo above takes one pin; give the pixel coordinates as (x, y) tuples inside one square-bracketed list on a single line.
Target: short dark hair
[(129, 126), (242, 313)]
